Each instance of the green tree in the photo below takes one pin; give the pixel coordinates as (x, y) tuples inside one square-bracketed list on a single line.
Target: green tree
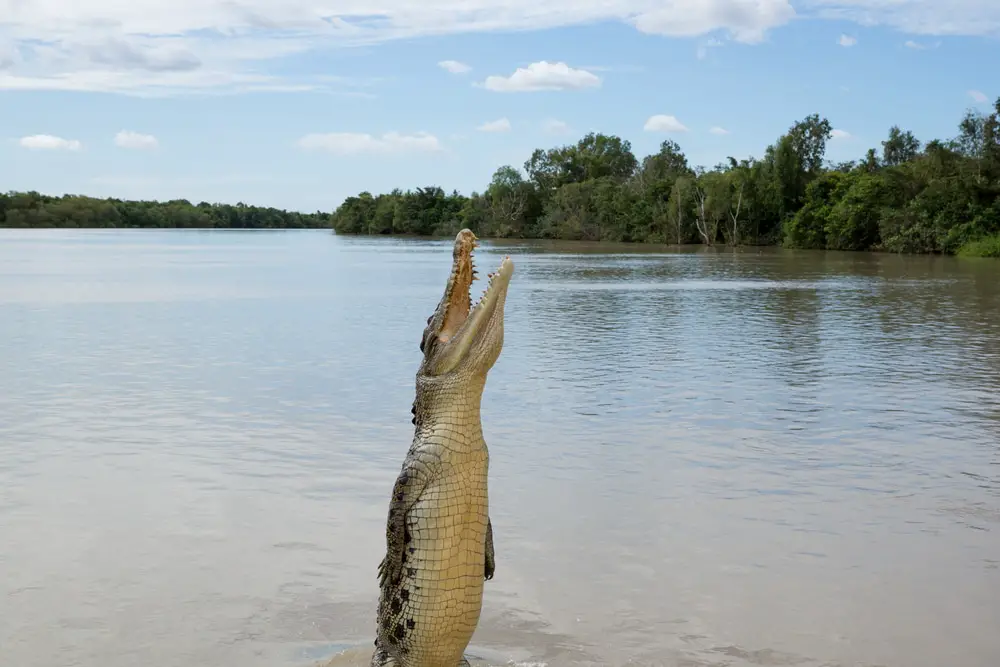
[(900, 147), (508, 197)]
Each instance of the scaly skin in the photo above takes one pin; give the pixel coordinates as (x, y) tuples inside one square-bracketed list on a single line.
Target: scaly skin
[(439, 538)]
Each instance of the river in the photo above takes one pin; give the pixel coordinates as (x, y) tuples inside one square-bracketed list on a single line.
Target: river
[(698, 457)]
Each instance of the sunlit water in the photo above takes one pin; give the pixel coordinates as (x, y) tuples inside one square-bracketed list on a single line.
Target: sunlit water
[(697, 458)]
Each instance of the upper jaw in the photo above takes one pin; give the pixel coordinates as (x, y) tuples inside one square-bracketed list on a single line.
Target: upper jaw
[(456, 302), (462, 323)]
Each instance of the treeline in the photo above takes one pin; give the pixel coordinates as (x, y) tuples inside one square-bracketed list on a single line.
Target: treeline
[(31, 209), (908, 197)]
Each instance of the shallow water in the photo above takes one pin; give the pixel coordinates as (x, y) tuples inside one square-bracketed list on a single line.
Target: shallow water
[(697, 458)]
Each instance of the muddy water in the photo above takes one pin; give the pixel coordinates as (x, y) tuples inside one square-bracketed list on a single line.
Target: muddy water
[(697, 458)]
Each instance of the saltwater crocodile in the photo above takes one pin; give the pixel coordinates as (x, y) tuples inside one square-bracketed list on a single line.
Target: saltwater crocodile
[(439, 537)]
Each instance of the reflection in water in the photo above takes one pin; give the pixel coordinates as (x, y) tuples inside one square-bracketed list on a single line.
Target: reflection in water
[(697, 458)]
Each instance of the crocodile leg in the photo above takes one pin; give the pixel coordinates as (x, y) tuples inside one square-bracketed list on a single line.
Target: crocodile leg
[(382, 659), (410, 483), (490, 558)]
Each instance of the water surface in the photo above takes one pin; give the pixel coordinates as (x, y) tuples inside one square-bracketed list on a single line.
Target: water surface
[(697, 458)]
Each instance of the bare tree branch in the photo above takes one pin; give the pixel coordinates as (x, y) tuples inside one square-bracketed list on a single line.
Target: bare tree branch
[(736, 216)]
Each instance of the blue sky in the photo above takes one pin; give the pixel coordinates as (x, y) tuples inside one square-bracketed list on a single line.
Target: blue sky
[(299, 103)]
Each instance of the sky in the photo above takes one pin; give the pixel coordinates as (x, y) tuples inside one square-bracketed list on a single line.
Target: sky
[(301, 103)]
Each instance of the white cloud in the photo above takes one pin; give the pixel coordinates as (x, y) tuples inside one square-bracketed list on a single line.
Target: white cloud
[(719, 130), (47, 142), (541, 76), (745, 20), (840, 134), (920, 17), (663, 123), (702, 51), (169, 46), (500, 125), (847, 40), (979, 96), (554, 126), (156, 64), (156, 84), (9, 55), (920, 46), (352, 143), (135, 140), (454, 66)]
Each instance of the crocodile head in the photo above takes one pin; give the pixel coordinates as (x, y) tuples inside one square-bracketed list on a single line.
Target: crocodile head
[(463, 339)]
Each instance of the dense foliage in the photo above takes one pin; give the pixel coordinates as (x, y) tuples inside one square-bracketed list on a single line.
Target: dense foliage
[(30, 209), (908, 197)]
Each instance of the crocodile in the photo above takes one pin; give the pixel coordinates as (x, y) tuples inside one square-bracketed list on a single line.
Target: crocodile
[(439, 537)]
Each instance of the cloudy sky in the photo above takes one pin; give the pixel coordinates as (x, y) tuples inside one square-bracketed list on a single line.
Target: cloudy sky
[(299, 103)]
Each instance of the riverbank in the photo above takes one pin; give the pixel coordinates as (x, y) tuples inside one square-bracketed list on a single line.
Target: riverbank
[(34, 210), (986, 247)]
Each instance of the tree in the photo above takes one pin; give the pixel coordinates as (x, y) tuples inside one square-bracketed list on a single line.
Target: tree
[(507, 197), (594, 156), (808, 139), (900, 147)]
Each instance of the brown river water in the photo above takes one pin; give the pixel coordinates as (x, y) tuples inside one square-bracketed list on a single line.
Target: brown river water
[(698, 458)]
